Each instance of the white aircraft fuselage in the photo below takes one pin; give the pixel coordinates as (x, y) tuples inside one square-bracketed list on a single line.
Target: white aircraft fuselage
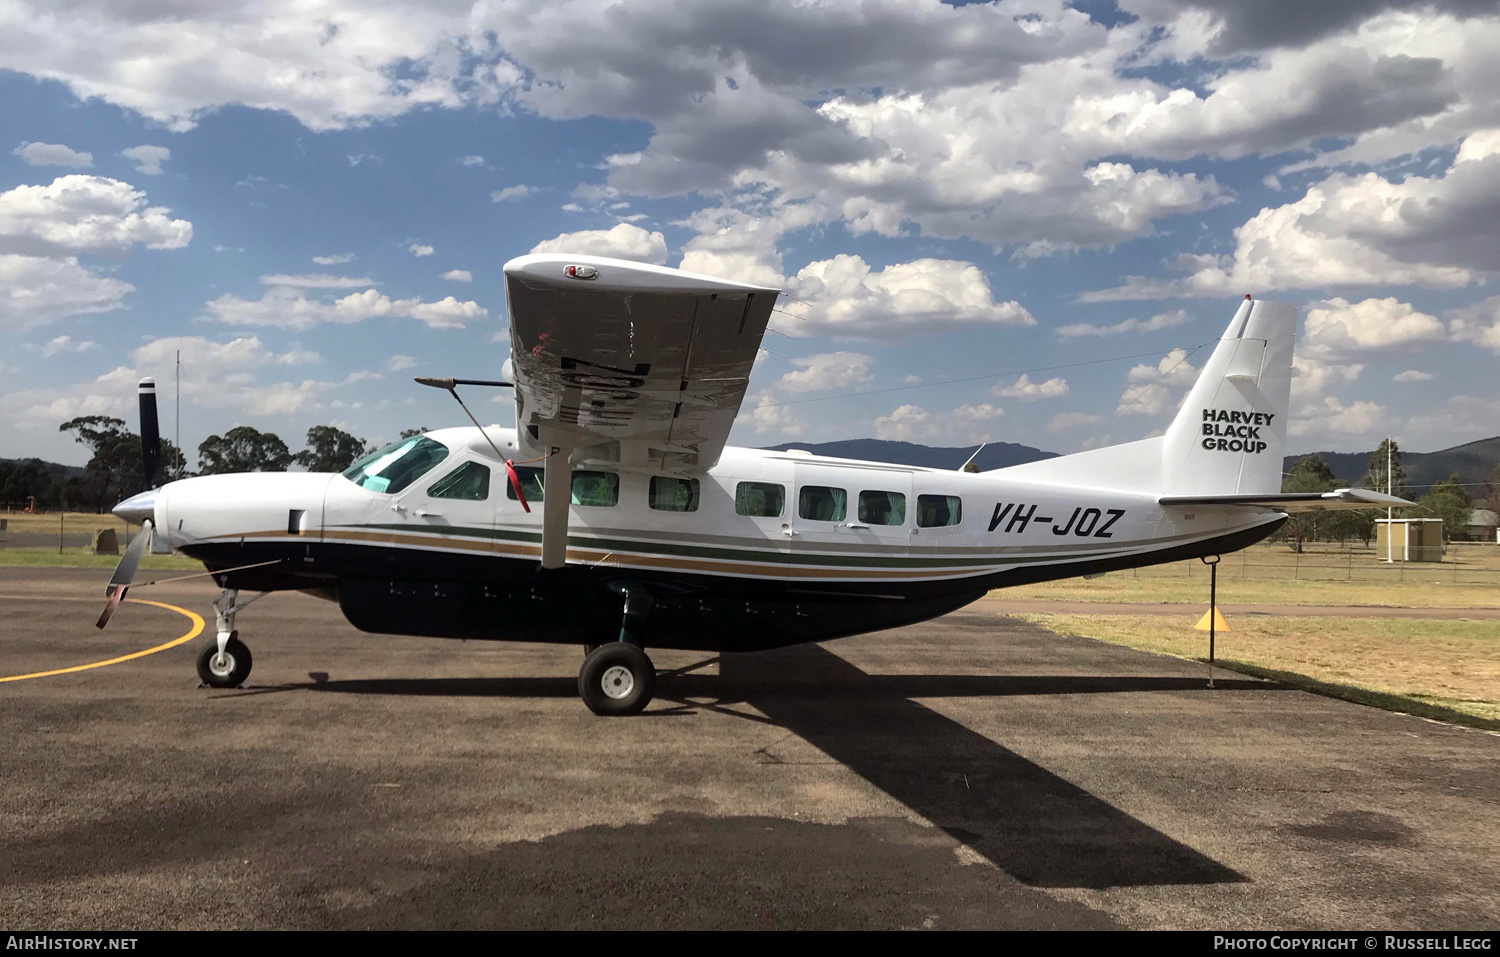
[(778, 547)]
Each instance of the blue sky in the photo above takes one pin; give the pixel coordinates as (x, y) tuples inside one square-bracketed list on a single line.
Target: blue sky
[(314, 203)]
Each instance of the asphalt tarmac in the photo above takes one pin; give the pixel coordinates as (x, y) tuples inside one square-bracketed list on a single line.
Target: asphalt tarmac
[(970, 772)]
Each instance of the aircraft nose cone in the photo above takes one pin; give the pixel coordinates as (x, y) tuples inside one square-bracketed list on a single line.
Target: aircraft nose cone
[(138, 508)]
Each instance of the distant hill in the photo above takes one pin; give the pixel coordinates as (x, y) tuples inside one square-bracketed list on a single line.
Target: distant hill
[(1473, 461), (996, 455)]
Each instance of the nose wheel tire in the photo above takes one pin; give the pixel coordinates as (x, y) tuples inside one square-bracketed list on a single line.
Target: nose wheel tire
[(227, 671), (617, 679)]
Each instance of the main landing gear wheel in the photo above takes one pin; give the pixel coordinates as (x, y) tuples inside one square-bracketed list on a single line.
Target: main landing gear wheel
[(228, 670), (617, 679)]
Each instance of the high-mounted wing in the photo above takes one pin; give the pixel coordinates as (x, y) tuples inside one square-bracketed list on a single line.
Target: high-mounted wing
[(1338, 499), (638, 365)]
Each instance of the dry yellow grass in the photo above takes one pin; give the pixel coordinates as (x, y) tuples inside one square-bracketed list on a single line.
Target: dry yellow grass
[(1122, 588), (73, 523), (1420, 665)]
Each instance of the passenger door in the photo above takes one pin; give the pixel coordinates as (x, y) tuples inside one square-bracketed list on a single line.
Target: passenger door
[(882, 512)]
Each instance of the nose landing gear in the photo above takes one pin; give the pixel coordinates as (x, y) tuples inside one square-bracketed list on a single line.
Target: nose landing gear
[(226, 663)]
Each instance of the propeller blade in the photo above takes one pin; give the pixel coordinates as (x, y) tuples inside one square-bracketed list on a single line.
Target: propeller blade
[(515, 483), (150, 435), (119, 582)]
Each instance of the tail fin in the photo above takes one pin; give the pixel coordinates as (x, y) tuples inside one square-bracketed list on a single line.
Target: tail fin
[(1229, 436)]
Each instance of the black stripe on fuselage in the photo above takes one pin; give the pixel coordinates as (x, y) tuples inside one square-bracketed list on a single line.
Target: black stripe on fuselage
[(436, 593)]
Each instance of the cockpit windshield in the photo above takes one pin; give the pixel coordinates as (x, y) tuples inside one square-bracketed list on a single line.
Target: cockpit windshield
[(396, 466)]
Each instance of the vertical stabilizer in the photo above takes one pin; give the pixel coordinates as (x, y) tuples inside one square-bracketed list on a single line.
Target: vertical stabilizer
[(1229, 437)]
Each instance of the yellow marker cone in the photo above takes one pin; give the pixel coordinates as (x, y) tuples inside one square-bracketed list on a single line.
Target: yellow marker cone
[(1218, 619)]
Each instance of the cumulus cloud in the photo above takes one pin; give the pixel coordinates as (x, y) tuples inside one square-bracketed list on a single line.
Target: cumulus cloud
[(1154, 389), (1338, 327), (52, 154), (78, 213), (147, 159), (510, 193), (399, 363), (762, 414), (850, 300), (1028, 391), (828, 370), (1413, 375), (1439, 231), (338, 260), (67, 344), (471, 160), (214, 374), (1163, 320), (288, 308), (419, 250), (459, 275), (35, 291), (623, 241), (1479, 324)]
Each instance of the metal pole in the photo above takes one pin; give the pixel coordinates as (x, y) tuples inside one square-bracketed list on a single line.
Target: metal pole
[(60, 516), (1213, 608), (177, 415)]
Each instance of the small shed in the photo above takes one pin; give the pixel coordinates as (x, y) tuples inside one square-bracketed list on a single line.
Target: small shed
[(1484, 526), (1409, 539)]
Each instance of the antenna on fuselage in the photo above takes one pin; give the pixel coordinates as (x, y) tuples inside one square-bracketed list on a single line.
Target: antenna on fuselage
[(969, 465)]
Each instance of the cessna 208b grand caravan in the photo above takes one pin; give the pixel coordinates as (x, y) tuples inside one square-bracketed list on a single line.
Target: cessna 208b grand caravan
[(613, 516)]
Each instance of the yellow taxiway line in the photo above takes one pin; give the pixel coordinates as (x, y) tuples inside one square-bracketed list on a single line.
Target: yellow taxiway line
[(193, 632)]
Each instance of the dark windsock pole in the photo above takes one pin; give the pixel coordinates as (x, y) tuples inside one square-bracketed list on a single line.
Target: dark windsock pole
[(150, 435)]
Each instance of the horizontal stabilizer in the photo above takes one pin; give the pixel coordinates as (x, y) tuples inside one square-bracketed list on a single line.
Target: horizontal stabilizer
[(1341, 498)]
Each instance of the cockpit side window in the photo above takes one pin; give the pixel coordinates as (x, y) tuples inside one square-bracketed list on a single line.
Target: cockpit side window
[(469, 482), (396, 466)]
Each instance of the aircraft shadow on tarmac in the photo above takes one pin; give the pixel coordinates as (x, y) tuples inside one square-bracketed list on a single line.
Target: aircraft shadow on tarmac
[(1036, 826)]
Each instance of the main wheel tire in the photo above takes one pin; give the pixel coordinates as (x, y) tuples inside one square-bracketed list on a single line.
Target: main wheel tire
[(232, 670), (617, 679)]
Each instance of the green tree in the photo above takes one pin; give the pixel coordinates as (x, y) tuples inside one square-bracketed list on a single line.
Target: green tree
[(114, 470), (1308, 474), (419, 430), (1449, 501), (243, 449), (329, 450), (1375, 472)]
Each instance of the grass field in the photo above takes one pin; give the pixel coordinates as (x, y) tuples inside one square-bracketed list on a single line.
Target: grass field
[(73, 523), (1436, 668), (77, 558)]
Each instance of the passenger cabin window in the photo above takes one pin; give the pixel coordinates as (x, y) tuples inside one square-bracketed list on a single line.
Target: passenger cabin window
[(470, 482), (673, 494), (596, 488), (882, 508), (589, 488), (396, 466), (759, 499), (531, 483), (819, 503), (935, 511)]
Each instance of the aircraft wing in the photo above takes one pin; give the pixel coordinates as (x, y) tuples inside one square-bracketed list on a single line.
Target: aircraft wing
[(1343, 498), (636, 365)]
